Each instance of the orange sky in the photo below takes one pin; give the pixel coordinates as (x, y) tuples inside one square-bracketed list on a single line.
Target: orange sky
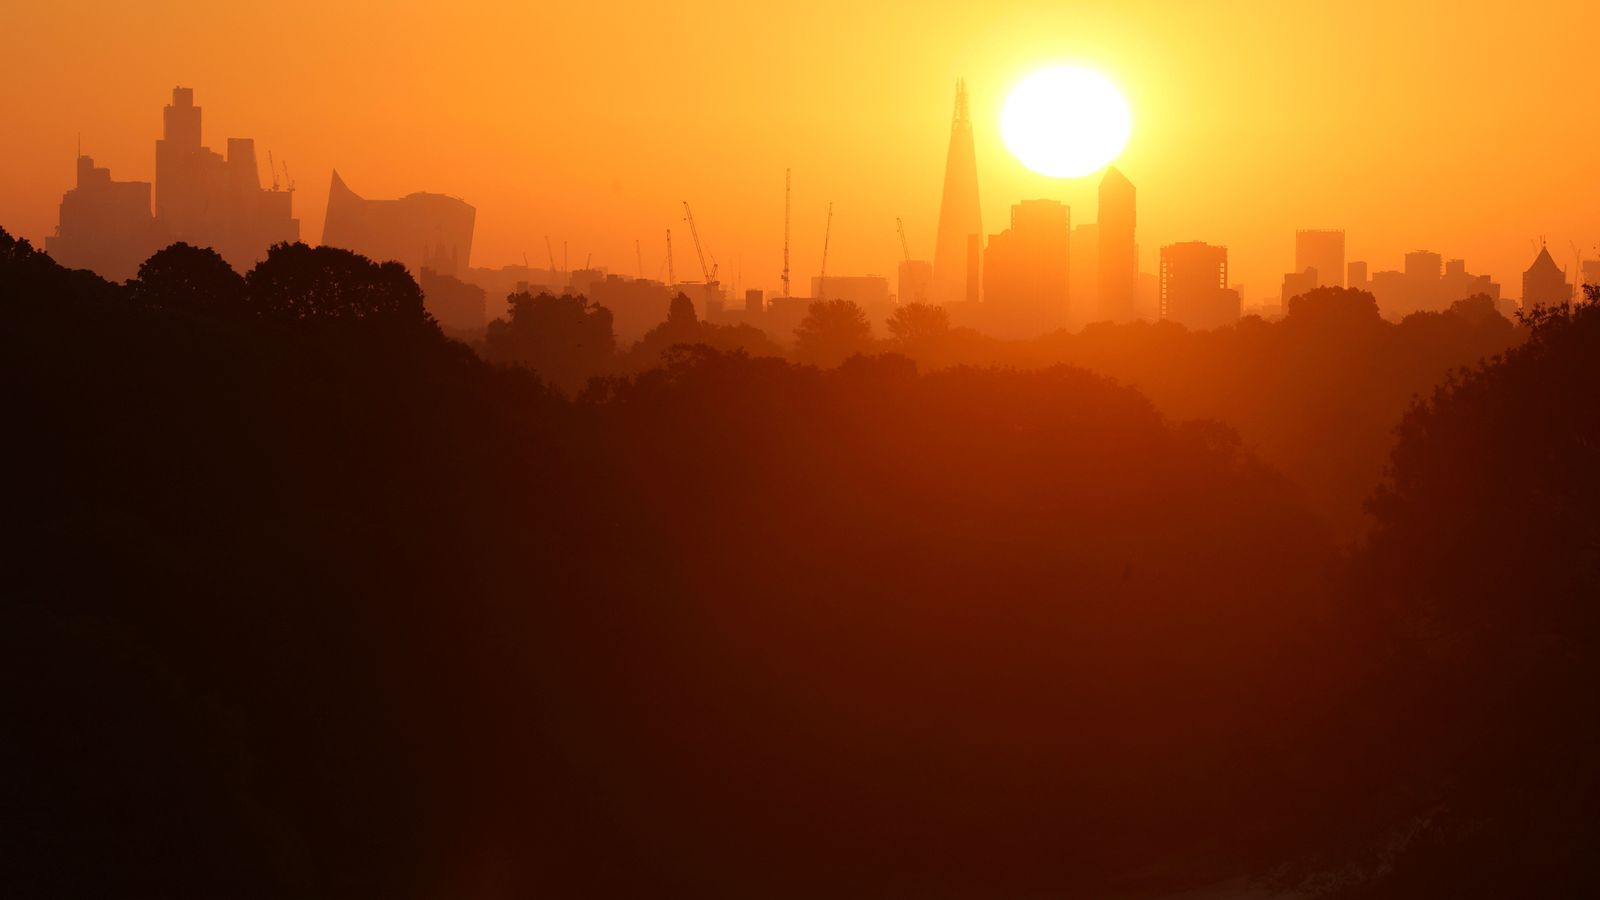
[(1411, 125)]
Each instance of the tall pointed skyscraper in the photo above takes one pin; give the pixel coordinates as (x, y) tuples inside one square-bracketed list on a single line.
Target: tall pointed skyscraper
[(1119, 253), (959, 218)]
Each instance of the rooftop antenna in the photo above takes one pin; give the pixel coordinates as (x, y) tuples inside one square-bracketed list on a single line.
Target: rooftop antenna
[(822, 277), (786, 186)]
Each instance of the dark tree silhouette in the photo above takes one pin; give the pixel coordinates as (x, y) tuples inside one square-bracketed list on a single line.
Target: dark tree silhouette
[(831, 332), (683, 328), (567, 340), (301, 283), (189, 279), (1476, 596), (913, 323)]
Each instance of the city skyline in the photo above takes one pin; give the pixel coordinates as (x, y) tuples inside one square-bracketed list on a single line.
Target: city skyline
[(1251, 198)]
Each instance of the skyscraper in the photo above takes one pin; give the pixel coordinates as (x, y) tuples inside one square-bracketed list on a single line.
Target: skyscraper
[(209, 200), (1544, 284), (1194, 286), (1027, 271), (1323, 251), (105, 225), (421, 230), (1119, 253), (959, 216)]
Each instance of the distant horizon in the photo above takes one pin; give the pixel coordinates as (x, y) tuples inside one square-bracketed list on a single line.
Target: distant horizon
[(1413, 155)]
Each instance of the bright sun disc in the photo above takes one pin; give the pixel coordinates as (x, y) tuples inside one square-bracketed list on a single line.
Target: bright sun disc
[(1065, 122)]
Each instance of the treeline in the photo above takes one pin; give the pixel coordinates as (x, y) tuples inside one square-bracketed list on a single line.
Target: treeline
[(1317, 394), (308, 600)]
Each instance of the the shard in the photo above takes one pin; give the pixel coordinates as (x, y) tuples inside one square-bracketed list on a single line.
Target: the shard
[(959, 219)]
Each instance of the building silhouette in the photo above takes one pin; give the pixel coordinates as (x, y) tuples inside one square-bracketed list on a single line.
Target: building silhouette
[(1083, 289), (1194, 286), (1356, 276), (1027, 271), (210, 200), (1589, 271), (1298, 284), (105, 225), (1117, 278), (1322, 250), (637, 304), (421, 231), (870, 292), (459, 307), (1426, 284), (914, 281), (959, 216), (1545, 284)]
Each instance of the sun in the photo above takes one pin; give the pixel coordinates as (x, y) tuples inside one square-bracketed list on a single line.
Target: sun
[(1065, 122)]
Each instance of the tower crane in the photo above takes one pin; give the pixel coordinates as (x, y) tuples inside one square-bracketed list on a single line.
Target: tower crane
[(638, 255), (786, 184), (905, 248), (550, 252), (273, 168), (672, 279), (827, 233), (709, 273)]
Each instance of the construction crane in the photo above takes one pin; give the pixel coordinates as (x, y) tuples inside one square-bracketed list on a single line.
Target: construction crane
[(827, 233), (638, 255), (1577, 269), (550, 252), (273, 168), (586, 258), (694, 232), (287, 181), (786, 185), (672, 279), (905, 248)]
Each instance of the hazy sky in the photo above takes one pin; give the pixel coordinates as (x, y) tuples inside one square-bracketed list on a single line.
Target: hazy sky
[(1463, 127)]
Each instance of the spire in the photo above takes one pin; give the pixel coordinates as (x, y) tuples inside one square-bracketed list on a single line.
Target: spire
[(959, 219)]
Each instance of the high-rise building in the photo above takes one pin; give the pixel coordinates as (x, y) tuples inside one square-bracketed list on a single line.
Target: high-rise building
[(870, 292), (1118, 276), (1297, 284), (209, 200), (1027, 271), (1356, 276), (1544, 284), (1322, 250), (421, 231), (959, 215), (915, 281), (105, 225), (1194, 286), (1083, 289), (1590, 272)]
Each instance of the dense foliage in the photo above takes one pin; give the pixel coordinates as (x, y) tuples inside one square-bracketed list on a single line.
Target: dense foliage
[(308, 600)]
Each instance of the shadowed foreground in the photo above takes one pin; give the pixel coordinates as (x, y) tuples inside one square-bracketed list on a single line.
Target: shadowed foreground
[(310, 601)]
